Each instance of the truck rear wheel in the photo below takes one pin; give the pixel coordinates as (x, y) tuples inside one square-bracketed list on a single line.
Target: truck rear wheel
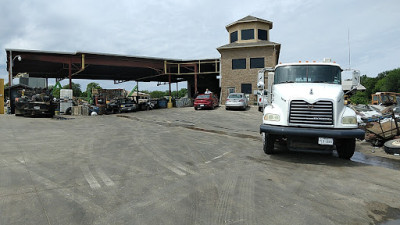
[(345, 148), (268, 143)]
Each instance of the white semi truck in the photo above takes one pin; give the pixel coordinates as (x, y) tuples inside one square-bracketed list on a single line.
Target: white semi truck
[(306, 109)]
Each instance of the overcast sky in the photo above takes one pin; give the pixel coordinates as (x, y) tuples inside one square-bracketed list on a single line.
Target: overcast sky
[(193, 29)]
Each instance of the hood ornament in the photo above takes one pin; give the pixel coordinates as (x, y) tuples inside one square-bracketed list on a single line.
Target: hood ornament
[(311, 92)]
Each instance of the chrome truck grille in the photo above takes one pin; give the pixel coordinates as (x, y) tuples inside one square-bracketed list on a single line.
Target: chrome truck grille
[(304, 113)]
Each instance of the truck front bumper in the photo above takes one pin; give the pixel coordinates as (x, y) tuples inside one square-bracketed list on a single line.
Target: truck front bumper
[(313, 132)]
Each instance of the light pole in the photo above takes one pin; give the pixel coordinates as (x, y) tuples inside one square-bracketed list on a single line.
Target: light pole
[(10, 78)]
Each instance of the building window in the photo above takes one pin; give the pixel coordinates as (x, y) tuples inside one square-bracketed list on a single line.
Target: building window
[(246, 88), (262, 35), (248, 34), (256, 63), (234, 36), (238, 64), (231, 90)]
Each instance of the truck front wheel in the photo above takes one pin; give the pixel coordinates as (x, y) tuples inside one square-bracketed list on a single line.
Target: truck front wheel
[(268, 143), (345, 148)]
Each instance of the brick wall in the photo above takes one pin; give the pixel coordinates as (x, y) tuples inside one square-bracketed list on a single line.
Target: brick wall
[(234, 78)]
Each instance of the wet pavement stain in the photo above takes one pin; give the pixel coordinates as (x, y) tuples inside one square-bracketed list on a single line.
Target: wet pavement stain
[(382, 213), (376, 161), (193, 127), (226, 133)]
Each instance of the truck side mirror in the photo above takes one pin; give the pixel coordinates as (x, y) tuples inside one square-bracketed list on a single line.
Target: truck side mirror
[(355, 79), (260, 85), (270, 83), (260, 82)]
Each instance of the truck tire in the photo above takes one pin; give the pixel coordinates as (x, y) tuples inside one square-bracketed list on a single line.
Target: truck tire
[(268, 143), (345, 148), (68, 111)]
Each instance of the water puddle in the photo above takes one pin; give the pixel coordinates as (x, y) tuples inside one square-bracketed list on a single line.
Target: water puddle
[(376, 161)]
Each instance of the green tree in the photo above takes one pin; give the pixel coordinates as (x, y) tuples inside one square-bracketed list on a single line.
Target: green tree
[(84, 94), (55, 92), (388, 81), (379, 86), (360, 97), (369, 84), (392, 81), (382, 75), (180, 94), (92, 85), (158, 94)]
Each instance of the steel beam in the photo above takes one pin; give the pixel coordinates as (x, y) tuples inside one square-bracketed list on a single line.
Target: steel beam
[(70, 74), (195, 78)]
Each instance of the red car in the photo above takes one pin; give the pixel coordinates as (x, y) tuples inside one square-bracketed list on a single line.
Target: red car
[(205, 101)]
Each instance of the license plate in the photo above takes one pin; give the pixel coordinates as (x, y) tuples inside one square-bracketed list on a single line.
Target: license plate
[(36, 107), (325, 141), (201, 105)]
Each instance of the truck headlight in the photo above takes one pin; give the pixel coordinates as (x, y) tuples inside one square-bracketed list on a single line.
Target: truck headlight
[(349, 120), (272, 117)]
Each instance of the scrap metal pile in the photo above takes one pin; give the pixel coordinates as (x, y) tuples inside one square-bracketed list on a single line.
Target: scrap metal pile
[(35, 102), (380, 122)]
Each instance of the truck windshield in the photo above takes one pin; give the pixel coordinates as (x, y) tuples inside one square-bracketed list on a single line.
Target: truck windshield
[(308, 74)]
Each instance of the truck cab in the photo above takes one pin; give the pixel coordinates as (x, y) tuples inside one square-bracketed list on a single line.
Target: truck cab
[(306, 109)]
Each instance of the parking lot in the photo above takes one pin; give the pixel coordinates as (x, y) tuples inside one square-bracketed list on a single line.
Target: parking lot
[(182, 166)]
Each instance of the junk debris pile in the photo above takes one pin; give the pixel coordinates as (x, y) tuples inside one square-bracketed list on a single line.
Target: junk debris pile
[(35, 102), (380, 122)]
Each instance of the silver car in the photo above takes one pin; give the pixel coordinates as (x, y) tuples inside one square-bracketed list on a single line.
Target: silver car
[(237, 101)]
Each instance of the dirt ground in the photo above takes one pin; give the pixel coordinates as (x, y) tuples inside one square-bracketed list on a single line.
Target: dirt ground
[(181, 166)]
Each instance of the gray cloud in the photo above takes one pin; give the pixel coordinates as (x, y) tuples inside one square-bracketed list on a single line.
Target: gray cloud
[(307, 30)]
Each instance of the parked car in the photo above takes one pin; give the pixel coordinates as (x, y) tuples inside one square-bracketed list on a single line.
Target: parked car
[(121, 105), (236, 101), (205, 101)]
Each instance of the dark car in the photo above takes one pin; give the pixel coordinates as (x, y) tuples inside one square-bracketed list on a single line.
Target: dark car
[(121, 105), (209, 101)]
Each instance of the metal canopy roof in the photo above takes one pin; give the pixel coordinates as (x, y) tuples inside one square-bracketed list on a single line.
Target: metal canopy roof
[(100, 66)]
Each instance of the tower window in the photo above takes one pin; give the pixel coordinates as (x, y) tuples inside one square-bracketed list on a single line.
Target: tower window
[(256, 63), (246, 88), (262, 35), (234, 36), (238, 64), (248, 34)]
